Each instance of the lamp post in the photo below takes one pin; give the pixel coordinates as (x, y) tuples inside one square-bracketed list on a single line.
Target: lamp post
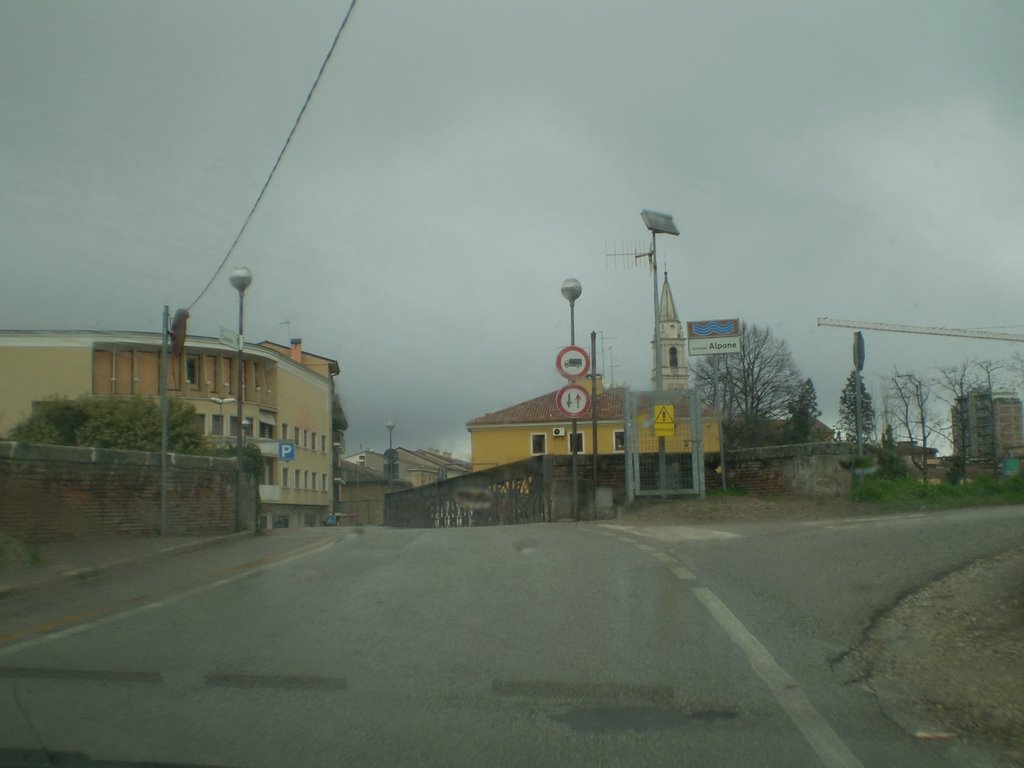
[(658, 223), (240, 279), (391, 451), (571, 290)]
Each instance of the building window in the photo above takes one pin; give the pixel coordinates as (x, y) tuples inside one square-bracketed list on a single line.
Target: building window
[(284, 431), (284, 477), (309, 520), (538, 444), (323, 443), (279, 521), (578, 441), (305, 438), (234, 426), (297, 430), (218, 425), (305, 483), (192, 369), (266, 430), (312, 442), (200, 423), (673, 357), (323, 481), (619, 441)]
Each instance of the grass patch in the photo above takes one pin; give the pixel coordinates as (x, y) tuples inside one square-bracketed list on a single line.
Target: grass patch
[(15, 551), (910, 494)]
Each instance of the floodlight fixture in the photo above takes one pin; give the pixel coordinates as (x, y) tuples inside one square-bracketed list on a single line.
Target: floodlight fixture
[(659, 223)]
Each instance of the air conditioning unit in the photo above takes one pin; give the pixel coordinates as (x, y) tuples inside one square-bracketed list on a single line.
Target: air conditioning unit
[(558, 431)]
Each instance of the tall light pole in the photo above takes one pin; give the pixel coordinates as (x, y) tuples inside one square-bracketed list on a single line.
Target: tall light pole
[(658, 223), (391, 451), (241, 278), (571, 290)]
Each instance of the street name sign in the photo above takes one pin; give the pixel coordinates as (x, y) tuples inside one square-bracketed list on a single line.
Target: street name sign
[(573, 363), (573, 401), (664, 420), (712, 337)]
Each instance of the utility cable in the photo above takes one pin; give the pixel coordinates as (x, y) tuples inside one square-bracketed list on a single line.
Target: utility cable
[(280, 155)]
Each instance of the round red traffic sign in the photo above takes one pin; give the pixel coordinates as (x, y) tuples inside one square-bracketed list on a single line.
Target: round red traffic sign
[(573, 401), (573, 363)]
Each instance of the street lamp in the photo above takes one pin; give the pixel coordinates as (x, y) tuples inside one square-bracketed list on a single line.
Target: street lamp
[(391, 451), (571, 290), (658, 223), (241, 278)]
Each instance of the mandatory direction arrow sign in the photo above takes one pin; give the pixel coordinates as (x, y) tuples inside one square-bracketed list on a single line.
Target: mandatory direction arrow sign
[(573, 401)]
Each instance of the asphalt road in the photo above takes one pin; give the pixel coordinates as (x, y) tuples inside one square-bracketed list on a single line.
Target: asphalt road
[(540, 645)]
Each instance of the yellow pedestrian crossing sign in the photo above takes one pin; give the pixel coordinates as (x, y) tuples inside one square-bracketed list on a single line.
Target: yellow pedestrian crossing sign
[(664, 420)]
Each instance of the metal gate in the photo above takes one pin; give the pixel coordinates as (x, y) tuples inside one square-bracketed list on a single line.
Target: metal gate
[(664, 444)]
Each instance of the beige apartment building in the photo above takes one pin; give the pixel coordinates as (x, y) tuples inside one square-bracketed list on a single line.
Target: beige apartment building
[(286, 398)]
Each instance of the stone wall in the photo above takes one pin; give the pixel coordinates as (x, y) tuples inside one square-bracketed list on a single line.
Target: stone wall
[(53, 493), (811, 468)]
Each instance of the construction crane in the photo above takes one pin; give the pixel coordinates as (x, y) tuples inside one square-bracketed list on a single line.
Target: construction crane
[(925, 329)]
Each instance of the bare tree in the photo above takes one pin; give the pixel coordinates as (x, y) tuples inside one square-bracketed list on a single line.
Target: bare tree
[(988, 372), (953, 385), (757, 385), (912, 415)]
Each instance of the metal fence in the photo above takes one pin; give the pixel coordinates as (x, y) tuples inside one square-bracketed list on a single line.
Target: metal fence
[(507, 495), (664, 444)]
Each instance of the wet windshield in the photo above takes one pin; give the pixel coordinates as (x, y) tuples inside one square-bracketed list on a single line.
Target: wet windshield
[(533, 383)]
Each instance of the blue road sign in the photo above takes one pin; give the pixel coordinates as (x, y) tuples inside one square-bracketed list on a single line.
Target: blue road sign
[(286, 451)]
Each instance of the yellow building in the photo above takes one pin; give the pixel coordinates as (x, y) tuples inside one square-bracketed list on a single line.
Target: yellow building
[(536, 427), (287, 397)]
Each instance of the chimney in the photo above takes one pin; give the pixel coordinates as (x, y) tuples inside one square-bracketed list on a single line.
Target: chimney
[(297, 350)]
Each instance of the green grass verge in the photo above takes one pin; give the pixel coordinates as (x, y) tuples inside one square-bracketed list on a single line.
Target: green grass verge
[(14, 551), (911, 494)]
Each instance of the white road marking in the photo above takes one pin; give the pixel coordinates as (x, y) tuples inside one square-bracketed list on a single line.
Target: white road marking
[(675, 533), (685, 574), (665, 558), (833, 523), (787, 692), (78, 628), (644, 547)]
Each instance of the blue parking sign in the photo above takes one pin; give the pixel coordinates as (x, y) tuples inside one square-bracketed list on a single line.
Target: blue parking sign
[(286, 451)]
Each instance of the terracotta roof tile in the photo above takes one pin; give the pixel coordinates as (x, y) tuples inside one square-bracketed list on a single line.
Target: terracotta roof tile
[(543, 409)]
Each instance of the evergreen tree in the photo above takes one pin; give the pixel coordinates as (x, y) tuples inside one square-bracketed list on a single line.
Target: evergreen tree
[(848, 411), (803, 412)]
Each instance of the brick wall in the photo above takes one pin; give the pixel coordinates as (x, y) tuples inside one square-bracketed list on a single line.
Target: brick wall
[(811, 468), (52, 493)]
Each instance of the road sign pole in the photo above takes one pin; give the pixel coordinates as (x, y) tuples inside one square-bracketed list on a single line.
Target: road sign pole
[(593, 423), (575, 479)]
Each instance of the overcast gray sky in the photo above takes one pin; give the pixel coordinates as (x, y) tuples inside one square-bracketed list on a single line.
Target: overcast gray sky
[(460, 159)]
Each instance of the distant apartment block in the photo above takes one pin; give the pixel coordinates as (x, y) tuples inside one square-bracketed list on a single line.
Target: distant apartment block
[(987, 425), (286, 397)]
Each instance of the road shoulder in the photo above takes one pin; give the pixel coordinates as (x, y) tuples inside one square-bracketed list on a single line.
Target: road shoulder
[(947, 662)]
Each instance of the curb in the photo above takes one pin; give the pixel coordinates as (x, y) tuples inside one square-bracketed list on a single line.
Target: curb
[(98, 569)]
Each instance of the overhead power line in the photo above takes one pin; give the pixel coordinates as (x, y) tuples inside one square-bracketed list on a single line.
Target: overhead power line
[(284, 148)]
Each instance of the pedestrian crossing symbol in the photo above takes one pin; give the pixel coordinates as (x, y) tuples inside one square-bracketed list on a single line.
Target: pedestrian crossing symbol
[(664, 420)]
